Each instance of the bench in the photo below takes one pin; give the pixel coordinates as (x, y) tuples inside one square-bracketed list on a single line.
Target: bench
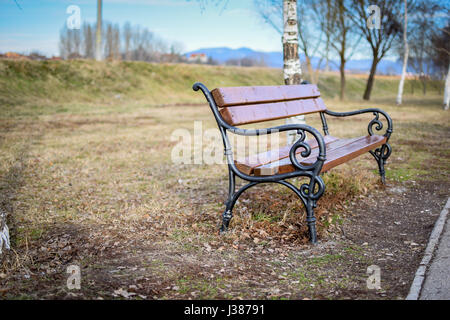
[(236, 106)]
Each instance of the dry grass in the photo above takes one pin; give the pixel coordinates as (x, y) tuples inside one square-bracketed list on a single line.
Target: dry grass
[(104, 177)]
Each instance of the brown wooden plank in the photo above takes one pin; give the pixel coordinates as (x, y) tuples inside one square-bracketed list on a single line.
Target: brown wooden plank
[(270, 111), (338, 152), (273, 167), (233, 96), (246, 165)]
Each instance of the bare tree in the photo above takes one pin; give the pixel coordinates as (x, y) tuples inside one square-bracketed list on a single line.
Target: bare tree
[(343, 39), (112, 43), (424, 52), (76, 40), (322, 26), (310, 35), (136, 43), (127, 33), (441, 59), (405, 53), (88, 41), (380, 38), (64, 44), (70, 43), (326, 23), (309, 31)]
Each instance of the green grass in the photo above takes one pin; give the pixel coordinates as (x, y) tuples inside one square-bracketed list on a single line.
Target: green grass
[(52, 87), (37, 88)]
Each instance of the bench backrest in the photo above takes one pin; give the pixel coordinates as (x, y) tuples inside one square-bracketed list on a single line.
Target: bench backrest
[(244, 105)]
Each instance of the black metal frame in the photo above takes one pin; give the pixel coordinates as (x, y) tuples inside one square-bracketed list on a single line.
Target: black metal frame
[(309, 193)]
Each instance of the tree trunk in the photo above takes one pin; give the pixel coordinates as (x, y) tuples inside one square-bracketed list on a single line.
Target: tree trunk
[(405, 58), (98, 36), (310, 70), (447, 90), (424, 86), (291, 70), (342, 72), (371, 79)]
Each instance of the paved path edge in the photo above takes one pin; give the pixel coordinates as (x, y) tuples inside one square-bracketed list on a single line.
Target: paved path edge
[(419, 278)]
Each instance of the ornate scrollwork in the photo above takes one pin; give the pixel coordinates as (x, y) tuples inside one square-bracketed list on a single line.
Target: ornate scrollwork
[(305, 153), (382, 153), (301, 143), (305, 188), (375, 121)]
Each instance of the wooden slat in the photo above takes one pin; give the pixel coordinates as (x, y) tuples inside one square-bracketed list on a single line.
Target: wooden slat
[(337, 152), (233, 96), (270, 111), (246, 165)]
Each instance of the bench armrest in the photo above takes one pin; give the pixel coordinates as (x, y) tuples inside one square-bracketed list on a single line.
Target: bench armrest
[(301, 129), (375, 121)]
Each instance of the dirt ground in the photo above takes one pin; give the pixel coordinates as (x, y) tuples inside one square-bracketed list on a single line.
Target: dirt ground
[(98, 191), (389, 228)]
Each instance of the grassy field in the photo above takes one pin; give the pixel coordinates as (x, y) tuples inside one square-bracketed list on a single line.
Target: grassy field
[(86, 178)]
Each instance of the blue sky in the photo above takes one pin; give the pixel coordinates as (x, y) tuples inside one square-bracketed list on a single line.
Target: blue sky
[(37, 24)]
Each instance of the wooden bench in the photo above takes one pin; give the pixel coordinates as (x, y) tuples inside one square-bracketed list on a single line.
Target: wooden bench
[(235, 106)]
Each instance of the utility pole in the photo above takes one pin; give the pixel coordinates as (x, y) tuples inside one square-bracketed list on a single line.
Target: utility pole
[(98, 35)]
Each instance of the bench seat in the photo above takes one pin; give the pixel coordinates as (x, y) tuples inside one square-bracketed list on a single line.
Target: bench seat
[(338, 151)]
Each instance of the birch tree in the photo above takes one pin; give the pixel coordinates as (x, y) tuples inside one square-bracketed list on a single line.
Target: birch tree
[(292, 71), (441, 59), (447, 90), (311, 29), (291, 63), (405, 53)]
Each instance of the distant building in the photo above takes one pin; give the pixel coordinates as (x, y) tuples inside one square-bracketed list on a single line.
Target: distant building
[(198, 58), (13, 55)]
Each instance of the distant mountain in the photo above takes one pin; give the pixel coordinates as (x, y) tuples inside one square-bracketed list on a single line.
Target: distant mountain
[(275, 60), (221, 55)]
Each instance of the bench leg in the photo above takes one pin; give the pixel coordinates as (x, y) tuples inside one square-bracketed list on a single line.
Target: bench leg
[(382, 171), (381, 155), (226, 217), (308, 199), (311, 220), (228, 213)]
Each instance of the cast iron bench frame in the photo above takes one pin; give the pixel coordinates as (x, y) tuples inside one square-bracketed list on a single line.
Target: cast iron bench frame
[(309, 193)]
